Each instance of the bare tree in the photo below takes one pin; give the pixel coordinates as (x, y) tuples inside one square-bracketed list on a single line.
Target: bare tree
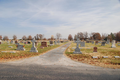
[(58, 35), (85, 34), (80, 35), (41, 36), (104, 35), (0, 37), (24, 37), (5, 38), (29, 37), (91, 35), (14, 37), (37, 37)]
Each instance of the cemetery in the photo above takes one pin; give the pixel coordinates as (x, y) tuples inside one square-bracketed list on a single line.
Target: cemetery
[(15, 51), (97, 55)]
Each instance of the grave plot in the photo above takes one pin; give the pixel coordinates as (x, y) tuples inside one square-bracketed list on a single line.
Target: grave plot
[(104, 56)]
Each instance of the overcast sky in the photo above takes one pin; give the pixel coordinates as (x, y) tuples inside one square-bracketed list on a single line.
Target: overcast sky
[(48, 17)]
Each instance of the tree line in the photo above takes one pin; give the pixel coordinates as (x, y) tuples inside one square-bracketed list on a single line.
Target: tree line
[(37, 37), (95, 36)]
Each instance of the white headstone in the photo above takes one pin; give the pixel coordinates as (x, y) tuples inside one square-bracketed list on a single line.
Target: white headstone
[(113, 44), (33, 49)]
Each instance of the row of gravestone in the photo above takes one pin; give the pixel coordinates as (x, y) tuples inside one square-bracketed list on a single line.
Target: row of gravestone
[(77, 49), (34, 49)]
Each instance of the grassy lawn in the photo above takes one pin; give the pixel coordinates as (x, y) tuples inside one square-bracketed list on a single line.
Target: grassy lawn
[(6, 56), (87, 53)]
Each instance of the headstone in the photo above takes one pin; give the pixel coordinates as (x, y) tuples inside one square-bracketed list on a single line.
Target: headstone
[(55, 42), (95, 49), (3, 51), (94, 57), (10, 47), (44, 44), (117, 56), (12, 51), (113, 44), (77, 50), (118, 44), (108, 41), (20, 47), (105, 56), (92, 42), (33, 49), (103, 43), (82, 44), (58, 41)]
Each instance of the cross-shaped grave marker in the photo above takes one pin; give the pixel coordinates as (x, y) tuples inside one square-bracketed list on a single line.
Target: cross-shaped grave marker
[(77, 50), (33, 49)]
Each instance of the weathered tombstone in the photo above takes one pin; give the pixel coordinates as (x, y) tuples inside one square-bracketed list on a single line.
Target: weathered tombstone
[(44, 44), (20, 47), (77, 50), (95, 49), (82, 44), (113, 44), (33, 49), (105, 56), (117, 56), (12, 51), (108, 41), (94, 57), (55, 42), (103, 43), (58, 41), (10, 47)]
